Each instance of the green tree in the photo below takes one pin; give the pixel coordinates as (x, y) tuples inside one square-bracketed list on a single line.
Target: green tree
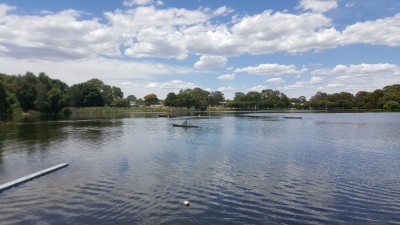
[(41, 103), (391, 105), (121, 102), (56, 100), (91, 95), (217, 97), (376, 99), (151, 99), (201, 99), (252, 96), (117, 92), (25, 91), (362, 100), (4, 106), (319, 101), (391, 93), (107, 94), (75, 95), (184, 99), (302, 99), (131, 99), (239, 96), (171, 100), (284, 101)]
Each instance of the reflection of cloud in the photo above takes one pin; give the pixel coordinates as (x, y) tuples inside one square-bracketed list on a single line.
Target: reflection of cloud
[(123, 166)]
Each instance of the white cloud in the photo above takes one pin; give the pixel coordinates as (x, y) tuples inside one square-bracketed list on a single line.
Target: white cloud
[(379, 32), (276, 80), (366, 77), (137, 2), (226, 77), (361, 69), (271, 69), (211, 40), (59, 36), (334, 85), (228, 88), (153, 85), (316, 80), (304, 84), (259, 88), (149, 32), (318, 6), (345, 77), (283, 32), (208, 62), (223, 11), (5, 8), (156, 42), (174, 85), (293, 86), (146, 31)]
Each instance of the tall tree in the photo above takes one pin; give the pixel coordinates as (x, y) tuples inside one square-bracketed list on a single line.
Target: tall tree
[(3, 100), (217, 97), (239, 96), (151, 99), (56, 99), (171, 100), (131, 99), (91, 95)]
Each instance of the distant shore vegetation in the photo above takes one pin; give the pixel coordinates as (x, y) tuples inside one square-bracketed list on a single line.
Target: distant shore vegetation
[(39, 93)]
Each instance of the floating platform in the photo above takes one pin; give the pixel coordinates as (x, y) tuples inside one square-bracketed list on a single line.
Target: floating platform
[(164, 115), (293, 117), (187, 125), (31, 177)]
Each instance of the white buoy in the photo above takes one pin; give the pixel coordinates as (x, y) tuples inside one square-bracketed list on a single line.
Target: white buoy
[(186, 203)]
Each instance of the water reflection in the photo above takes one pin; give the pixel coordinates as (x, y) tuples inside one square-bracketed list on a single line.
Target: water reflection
[(123, 166)]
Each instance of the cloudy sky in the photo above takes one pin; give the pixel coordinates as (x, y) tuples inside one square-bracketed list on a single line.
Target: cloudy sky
[(161, 46)]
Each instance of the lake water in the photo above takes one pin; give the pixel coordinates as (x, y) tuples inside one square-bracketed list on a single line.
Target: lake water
[(236, 168)]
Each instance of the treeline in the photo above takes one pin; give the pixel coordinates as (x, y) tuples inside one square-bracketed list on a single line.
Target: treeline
[(266, 99), (387, 98), (196, 98), (43, 94), (22, 93)]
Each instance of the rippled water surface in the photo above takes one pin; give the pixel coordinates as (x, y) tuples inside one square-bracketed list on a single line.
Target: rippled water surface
[(255, 168)]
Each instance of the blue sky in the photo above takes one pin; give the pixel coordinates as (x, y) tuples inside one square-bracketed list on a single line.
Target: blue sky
[(161, 46)]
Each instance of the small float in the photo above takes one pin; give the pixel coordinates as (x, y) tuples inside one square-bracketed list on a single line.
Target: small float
[(186, 203)]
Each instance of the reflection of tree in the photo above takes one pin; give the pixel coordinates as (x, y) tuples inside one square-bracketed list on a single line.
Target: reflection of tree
[(1, 151), (95, 131), (38, 135)]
